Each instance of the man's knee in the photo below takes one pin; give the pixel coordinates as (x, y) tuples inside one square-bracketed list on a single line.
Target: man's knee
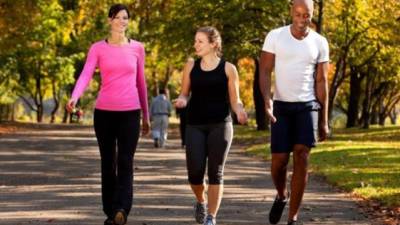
[(301, 152), (279, 160)]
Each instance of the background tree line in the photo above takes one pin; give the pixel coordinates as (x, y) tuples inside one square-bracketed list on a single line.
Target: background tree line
[(43, 46)]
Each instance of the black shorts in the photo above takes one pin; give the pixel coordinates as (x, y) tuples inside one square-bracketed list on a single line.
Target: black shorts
[(296, 123)]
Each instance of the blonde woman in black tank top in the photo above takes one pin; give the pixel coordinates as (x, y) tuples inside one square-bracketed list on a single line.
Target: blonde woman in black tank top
[(213, 87)]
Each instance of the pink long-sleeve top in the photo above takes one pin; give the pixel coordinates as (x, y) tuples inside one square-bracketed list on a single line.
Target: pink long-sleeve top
[(123, 85)]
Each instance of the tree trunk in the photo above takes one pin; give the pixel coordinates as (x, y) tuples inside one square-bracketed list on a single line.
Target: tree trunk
[(39, 113), (354, 99), (365, 118), (320, 21), (54, 111), (156, 87), (393, 116), (261, 115), (382, 115), (1, 112), (382, 118), (38, 97), (65, 116), (336, 82), (12, 116), (56, 102), (374, 116), (167, 77), (8, 112)]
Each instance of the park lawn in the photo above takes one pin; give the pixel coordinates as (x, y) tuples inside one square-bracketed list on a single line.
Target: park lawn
[(363, 162)]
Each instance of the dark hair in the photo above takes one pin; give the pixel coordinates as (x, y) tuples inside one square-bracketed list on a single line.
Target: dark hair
[(162, 91), (213, 37), (114, 10)]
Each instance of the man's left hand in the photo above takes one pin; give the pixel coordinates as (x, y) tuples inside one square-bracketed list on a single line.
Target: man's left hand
[(323, 132)]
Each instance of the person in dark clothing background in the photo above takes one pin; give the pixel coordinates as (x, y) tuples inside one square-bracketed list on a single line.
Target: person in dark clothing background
[(181, 112)]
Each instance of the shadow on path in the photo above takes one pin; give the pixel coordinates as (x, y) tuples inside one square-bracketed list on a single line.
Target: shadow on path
[(52, 176)]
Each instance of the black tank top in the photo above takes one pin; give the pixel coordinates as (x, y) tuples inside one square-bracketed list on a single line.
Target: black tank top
[(209, 101)]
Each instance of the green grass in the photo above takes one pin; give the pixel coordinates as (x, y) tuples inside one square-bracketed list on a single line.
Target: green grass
[(254, 141), (364, 162)]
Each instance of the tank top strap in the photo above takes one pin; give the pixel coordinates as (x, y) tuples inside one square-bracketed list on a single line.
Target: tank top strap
[(221, 66), (197, 63)]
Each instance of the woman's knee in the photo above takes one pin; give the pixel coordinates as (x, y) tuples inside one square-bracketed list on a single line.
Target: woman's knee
[(196, 179)]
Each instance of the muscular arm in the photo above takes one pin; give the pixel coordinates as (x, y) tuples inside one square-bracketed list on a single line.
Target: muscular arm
[(267, 64), (322, 96)]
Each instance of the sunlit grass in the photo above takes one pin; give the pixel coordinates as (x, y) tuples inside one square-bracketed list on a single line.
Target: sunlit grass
[(364, 162), (254, 141)]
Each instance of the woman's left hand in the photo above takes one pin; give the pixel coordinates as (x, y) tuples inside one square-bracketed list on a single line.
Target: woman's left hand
[(241, 115), (145, 127)]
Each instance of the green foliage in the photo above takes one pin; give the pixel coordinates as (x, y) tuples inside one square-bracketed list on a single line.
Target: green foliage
[(363, 36), (42, 43)]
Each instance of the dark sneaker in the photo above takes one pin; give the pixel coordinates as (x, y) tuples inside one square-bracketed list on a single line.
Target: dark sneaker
[(210, 220), (108, 221), (276, 211), (156, 143), (120, 217), (293, 222), (200, 212)]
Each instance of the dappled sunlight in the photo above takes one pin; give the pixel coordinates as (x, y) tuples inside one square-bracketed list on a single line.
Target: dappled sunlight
[(367, 168), (50, 180), (365, 162), (391, 195)]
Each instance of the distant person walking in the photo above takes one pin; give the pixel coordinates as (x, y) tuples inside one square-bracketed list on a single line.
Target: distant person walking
[(181, 112), (160, 110), (123, 94)]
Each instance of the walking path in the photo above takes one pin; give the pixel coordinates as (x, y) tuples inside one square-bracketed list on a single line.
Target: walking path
[(52, 176)]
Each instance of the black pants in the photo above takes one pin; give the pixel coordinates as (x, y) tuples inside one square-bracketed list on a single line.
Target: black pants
[(117, 134), (212, 142)]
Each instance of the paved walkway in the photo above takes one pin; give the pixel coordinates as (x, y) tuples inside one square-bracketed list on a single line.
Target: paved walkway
[(52, 176)]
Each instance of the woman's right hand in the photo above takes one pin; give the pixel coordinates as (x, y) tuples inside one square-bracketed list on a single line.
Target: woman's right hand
[(180, 102), (70, 106)]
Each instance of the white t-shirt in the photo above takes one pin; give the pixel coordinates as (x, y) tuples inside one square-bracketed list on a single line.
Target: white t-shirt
[(295, 63)]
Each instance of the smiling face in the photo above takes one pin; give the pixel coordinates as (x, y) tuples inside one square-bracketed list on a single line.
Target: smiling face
[(202, 45), (120, 21), (301, 13)]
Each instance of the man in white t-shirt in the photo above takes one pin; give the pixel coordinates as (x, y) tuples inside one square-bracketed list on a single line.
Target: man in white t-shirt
[(300, 57)]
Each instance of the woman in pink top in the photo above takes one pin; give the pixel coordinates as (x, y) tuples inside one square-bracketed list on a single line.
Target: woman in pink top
[(123, 94)]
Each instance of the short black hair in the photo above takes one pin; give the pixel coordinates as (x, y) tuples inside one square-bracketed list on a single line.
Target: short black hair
[(114, 10), (162, 91)]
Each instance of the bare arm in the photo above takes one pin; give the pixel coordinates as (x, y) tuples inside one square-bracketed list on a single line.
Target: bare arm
[(322, 96), (267, 64), (233, 86), (181, 101), (234, 95)]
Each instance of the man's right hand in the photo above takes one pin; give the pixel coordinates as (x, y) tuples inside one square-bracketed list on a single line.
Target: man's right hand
[(269, 110), (70, 106)]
